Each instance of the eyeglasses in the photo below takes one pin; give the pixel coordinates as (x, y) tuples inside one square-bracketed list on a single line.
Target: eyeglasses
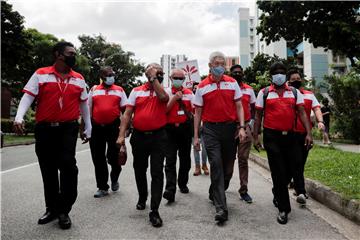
[(178, 78)]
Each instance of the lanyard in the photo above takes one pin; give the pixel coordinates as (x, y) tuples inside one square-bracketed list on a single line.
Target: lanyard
[(62, 91)]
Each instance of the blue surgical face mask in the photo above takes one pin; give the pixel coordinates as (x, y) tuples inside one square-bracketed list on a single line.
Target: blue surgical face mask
[(279, 79), (109, 80), (177, 83), (217, 71)]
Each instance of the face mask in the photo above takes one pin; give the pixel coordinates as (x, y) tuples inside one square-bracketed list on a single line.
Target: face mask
[(178, 83), (217, 71), (70, 61), (237, 77), (160, 78), (279, 79), (296, 84), (109, 80)]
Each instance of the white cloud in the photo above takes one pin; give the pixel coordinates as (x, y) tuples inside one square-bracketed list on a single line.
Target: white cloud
[(147, 28)]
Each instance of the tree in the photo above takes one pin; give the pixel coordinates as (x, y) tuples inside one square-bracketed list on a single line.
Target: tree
[(14, 48), (101, 53), (333, 25)]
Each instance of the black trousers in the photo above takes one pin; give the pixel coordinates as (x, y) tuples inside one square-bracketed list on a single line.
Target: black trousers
[(101, 136), (55, 148), (145, 145), (220, 144), (179, 142), (299, 180), (283, 153)]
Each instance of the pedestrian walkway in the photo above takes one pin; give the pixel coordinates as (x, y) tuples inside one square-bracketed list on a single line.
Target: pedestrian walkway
[(342, 146)]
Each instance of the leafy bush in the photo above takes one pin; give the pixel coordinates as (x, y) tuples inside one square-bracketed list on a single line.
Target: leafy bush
[(6, 125), (345, 93)]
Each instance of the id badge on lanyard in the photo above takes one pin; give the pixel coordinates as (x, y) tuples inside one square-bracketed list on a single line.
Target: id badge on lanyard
[(62, 91)]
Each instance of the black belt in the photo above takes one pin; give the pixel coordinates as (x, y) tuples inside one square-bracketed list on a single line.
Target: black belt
[(56, 124), (221, 123), (176, 125), (279, 132), (151, 132)]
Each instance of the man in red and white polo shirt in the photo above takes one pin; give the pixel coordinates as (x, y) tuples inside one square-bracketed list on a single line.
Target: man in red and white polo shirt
[(179, 133), (218, 104), (106, 101), (60, 94), (280, 104), (310, 103), (148, 104), (248, 100)]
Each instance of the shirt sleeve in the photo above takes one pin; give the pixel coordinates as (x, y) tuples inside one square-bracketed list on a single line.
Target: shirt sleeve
[(198, 99), (300, 98), (124, 100), (252, 96), (131, 100), (260, 100), (238, 93), (315, 102), (84, 94), (32, 86)]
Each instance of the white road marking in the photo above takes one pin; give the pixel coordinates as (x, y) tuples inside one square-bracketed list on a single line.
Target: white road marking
[(36, 163)]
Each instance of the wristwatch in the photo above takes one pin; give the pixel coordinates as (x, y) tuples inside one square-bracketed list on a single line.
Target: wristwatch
[(242, 126)]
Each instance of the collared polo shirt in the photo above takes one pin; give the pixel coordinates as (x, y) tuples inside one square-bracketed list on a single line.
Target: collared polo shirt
[(58, 99), (280, 111), (106, 103), (218, 99), (176, 114), (310, 102), (248, 97), (149, 111)]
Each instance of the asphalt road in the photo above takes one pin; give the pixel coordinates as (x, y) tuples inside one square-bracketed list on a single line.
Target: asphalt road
[(190, 217)]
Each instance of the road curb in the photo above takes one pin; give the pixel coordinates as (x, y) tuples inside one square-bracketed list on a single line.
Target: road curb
[(323, 194), (18, 144)]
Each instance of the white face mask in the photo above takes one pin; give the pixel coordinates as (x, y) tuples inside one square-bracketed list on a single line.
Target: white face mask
[(178, 83), (279, 79), (109, 80)]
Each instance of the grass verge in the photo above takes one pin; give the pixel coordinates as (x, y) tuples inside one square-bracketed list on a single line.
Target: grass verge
[(15, 139)]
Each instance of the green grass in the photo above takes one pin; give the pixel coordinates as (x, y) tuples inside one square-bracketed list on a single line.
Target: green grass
[(334, 168), (14, 139)]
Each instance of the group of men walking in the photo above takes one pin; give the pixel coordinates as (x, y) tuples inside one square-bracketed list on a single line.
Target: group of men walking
[(164, 122)]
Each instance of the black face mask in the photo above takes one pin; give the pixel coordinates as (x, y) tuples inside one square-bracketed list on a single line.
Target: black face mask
[(70, 61), (296, 84), (237, 77), (160, 78)]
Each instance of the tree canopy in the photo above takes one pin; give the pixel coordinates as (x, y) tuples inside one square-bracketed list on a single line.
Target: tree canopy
[(334, 25)]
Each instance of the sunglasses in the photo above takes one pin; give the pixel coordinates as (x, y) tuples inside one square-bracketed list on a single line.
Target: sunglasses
[(178, 78), (237, 73)]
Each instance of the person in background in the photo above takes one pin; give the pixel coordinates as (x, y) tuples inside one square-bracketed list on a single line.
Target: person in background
[(326, 111), (106, 101)]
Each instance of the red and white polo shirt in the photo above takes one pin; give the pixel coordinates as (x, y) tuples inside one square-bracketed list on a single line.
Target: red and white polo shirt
[(149, 111), (176, 114), (248, 97), (310, 102), (58, 99), (106, 102), (279, 110), (218, 99)]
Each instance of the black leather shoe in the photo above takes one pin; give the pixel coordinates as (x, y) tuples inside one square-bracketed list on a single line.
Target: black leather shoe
[(140, 205), (47, 217), (282, 218), (221, 216), (169, 196), (155, 219), (184, 189), (64, 221)]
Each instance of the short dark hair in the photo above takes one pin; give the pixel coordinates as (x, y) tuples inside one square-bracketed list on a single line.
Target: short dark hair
[(293, 71), (235, 66), (277, 65), (60, 47)]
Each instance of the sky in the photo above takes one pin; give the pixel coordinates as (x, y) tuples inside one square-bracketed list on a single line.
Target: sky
[(146, 28)]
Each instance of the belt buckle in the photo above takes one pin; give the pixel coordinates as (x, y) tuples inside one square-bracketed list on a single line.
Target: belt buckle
[(54, 124), (148, 133), (284, 132)]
